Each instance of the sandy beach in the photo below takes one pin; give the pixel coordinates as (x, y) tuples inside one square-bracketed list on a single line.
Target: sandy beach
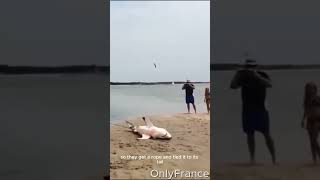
[(242, 171), (191, 137)]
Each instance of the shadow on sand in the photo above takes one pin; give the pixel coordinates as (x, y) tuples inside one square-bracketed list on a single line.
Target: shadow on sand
[(245, 164)]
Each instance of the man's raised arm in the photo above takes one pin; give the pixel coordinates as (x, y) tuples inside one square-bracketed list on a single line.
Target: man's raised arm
[(192, 86), (264, 78)]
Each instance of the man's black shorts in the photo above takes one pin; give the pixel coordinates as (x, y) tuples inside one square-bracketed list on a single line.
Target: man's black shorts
[(189, 99), (255, 120)]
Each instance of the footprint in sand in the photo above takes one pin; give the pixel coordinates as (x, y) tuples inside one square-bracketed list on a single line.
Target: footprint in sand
[(161, 148), (117, 165), (186, 147)]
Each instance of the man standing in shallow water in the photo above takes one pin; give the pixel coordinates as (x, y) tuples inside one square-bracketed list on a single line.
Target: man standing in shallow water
[(255, 116), (189, 87)]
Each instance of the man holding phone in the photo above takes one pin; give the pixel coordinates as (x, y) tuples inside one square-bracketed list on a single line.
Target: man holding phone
[(255, 116), (189, 87)]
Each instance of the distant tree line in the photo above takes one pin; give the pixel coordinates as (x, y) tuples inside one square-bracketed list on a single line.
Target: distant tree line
[(5, 69), (222, 67), (150, 83)]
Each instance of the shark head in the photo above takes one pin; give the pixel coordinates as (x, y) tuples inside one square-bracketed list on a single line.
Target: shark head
[(164, 134)]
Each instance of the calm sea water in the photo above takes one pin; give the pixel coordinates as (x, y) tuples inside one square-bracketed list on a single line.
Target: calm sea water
[(137, 100), (284, 102), (53, 127)]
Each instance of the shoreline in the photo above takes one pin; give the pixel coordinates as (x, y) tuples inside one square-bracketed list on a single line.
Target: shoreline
[(190, 137), (138, 118), (154, 83)]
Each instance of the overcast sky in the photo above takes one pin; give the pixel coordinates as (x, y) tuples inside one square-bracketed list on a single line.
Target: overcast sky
[(275, 32), (64, 32), (57, 32), (173, 34)]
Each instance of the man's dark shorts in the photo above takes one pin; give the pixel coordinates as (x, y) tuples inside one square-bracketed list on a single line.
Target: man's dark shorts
[(255, 120), (189, 99)]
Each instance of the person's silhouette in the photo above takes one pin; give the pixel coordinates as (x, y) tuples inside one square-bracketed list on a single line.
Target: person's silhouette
[(255, 116), (311, 118), (189, 87), (207, 98)]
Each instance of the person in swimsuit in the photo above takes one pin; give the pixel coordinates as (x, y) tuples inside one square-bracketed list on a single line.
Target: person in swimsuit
[(255, 116), (311, 118), (189, 87), (207, 98)]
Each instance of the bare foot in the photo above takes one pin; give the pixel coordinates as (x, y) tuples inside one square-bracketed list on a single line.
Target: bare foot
[(274, 162), (315, 162)]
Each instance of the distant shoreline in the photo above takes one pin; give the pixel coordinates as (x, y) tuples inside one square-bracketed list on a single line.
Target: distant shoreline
[(99, 69), (153, 83), (72, 69), (227, 67)]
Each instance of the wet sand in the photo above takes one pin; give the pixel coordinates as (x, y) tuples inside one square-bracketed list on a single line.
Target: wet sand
[(243, 171), (191, 136)]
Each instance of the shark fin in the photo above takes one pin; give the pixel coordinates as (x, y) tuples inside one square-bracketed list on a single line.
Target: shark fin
[(145, 136), (148, 122)]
